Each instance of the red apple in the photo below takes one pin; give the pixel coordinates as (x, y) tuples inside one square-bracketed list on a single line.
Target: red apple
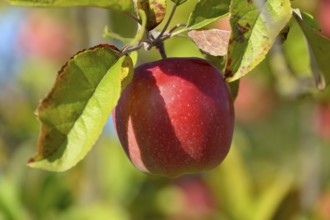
[(175, 117)]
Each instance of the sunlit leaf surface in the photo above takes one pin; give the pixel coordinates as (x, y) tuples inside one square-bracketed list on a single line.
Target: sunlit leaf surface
[(75, 111), (207, 11), (255, 26)]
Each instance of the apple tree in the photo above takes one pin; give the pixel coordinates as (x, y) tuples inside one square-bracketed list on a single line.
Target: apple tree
[(173, 116)]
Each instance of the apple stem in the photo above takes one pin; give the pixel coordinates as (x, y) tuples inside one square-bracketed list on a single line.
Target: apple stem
[(152, 41), (160, 47), (158, 43)]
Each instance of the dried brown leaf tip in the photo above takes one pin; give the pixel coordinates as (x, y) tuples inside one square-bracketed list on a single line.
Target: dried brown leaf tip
[(213, 42)]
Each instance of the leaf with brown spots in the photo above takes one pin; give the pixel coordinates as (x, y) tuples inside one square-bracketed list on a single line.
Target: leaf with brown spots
[(155, 11), (255, 25), (213, 42), (75, 111)]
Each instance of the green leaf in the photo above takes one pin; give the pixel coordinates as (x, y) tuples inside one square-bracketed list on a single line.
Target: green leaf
[(179, 2), (255, 26), (234, 88), (118, 5), (217, 61), (232, 183), (296, 52), (75, 111), (107, 33), (96, 210), (273, 196), (207, 11), (308, 19), (10, 204), (319, 46), (134, 56), (139, 35)]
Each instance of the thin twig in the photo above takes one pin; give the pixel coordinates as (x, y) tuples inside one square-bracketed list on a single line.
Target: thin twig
[(176, 27), (127, 50), (168, 22), (179, 32), (133, 17), (169, 34), (161, 49)]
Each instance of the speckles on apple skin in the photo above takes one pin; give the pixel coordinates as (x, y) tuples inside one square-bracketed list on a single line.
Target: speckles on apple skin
[(178, 114)]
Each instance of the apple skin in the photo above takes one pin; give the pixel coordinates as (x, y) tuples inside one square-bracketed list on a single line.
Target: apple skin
[(175, 117)]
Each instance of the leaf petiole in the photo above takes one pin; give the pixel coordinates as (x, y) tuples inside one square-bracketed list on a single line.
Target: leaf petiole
[(128, 50)]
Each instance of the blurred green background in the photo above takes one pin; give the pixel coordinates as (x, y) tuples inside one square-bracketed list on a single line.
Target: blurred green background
[(278, 166)]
